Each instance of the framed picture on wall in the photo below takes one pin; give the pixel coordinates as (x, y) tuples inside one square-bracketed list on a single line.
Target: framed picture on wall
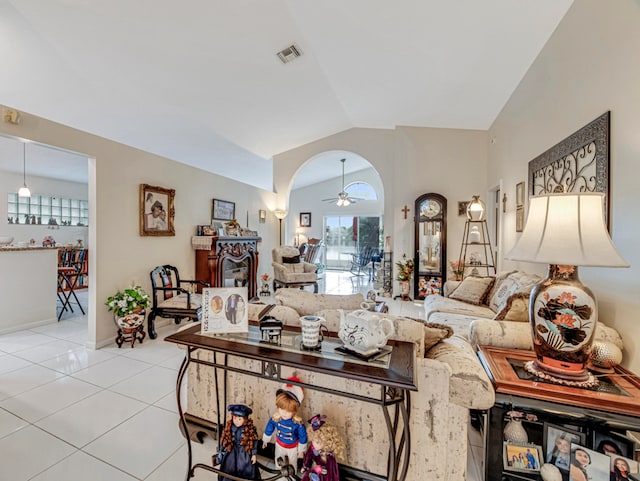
[(223, 210), (305, 219), (519, 218), (519, 194), (156, 211)]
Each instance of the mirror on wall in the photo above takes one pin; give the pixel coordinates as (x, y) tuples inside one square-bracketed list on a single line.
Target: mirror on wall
[(430, 244)]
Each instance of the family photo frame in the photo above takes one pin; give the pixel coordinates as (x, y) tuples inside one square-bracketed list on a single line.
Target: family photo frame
[(157, 211), (223, 210), (522, 458), (557, 442), (224, 310)]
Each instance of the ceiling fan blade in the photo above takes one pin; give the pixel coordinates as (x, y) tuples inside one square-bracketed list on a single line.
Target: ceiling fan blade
[(332, 199)]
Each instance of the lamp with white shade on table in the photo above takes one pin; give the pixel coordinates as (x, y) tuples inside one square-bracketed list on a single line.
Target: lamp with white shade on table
[(565, 231)]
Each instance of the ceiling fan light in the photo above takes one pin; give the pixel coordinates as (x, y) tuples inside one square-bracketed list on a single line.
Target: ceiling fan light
[(339, 203), (346, 202)]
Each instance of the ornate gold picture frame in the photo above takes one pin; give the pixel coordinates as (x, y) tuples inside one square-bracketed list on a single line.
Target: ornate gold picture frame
[(156, 211)]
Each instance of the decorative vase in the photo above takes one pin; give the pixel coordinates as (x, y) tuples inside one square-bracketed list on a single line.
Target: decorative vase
[(130, 327), (563, 316), (404, 288), (515, 432)]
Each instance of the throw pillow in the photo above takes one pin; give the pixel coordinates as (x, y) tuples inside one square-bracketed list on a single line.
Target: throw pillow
[(515, 283), (515, 308), (291, 260), (434, 333), (472, 289)]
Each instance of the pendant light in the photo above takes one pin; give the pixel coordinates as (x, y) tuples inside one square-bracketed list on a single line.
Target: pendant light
[(24, 190)]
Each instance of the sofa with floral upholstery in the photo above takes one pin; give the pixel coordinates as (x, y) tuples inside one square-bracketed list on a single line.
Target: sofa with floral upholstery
[(494, 311), (448, 376)]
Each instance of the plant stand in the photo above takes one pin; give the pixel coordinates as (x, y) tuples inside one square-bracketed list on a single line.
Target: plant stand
[(130, 328), (405, 288)]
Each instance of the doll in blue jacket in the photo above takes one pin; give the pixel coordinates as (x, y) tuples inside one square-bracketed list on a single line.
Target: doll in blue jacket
[(239, 445)]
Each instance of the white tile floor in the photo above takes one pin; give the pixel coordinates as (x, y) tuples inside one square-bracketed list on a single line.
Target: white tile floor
[(71, 414)]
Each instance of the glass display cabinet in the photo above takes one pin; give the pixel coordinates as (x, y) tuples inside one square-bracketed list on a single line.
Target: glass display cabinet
[(430, 245)]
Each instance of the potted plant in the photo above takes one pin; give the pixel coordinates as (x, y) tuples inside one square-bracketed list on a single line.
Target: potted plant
[(405, 272), (457, 269), (129, 307)]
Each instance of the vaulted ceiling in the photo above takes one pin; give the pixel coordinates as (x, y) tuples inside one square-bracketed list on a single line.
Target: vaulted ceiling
[(198, 81)]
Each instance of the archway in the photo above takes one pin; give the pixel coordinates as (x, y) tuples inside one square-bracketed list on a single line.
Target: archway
[(314, 193)]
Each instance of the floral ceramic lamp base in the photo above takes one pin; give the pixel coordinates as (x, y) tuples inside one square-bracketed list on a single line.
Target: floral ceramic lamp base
[(563, 315)]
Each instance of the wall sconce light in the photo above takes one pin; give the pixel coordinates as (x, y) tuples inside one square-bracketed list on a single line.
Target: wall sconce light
[(262, 216)]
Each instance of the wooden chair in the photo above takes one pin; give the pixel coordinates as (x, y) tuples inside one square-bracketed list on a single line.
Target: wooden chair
[(313, 251), (171, 298)]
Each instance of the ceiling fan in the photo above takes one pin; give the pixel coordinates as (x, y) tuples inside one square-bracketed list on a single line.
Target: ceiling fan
[(343, 198)]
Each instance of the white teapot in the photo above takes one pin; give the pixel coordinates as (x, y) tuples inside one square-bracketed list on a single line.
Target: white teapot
[(364, 332)]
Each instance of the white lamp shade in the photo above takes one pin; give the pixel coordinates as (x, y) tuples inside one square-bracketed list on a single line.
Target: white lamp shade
[(280, 214), (24, 191), (567, 229)]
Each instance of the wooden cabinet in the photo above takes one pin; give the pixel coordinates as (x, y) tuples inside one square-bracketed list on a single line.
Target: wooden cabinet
[(229, 262), (606, 411)]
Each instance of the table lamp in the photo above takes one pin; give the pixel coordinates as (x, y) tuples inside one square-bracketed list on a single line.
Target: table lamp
[(564, 231)]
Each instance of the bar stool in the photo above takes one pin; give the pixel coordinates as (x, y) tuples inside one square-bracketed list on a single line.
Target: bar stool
[(68, 279)]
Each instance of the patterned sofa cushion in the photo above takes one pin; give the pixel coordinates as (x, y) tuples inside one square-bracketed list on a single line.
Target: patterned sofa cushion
[(434, 303), (459, 323), (308, 303), (517, 282), (472, 289), (181, 301)]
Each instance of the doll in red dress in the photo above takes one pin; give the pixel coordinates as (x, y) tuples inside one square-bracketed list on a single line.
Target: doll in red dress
[(326, 449)]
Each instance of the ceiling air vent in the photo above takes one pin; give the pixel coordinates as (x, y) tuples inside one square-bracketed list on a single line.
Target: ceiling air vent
[(290, 53)]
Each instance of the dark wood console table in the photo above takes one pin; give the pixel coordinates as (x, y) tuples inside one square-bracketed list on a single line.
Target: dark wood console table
[(612, 407), (237, 256), (392, 375)]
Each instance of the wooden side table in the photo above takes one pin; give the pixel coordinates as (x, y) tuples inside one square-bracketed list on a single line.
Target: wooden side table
[(611, 408)]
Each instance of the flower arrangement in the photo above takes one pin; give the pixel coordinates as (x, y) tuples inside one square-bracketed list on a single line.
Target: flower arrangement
[(457, 269), (405, 268), (233, 223), (124, 303), (265, 277)]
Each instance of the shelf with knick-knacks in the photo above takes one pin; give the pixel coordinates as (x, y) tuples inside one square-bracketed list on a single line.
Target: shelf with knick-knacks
[(47, 210)]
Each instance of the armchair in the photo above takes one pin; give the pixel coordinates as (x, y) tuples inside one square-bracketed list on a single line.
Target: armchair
[(171, 298), (290, 271)]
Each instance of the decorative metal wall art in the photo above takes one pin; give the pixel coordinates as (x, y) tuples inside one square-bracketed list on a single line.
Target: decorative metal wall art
[(579, 163)]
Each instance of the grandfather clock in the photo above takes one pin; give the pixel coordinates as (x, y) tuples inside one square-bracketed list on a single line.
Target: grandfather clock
[(430, 245)]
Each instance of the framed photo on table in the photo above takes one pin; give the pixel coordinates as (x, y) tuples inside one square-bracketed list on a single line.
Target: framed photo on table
[(305, 219), (523, 458), (224, 310), (223, 210), (156, 211)]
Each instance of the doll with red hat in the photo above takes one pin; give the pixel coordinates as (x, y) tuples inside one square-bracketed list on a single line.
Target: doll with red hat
[(326, 449), (286, 425), (239, 445)]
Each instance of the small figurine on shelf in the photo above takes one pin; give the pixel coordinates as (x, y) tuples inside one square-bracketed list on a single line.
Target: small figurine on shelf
[(239, 445), (264, 290), (290, 432), (326, 449)]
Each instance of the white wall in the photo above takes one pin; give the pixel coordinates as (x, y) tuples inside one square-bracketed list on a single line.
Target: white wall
[(411, 161), (10, 182), (119, 254), (589, 65)]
